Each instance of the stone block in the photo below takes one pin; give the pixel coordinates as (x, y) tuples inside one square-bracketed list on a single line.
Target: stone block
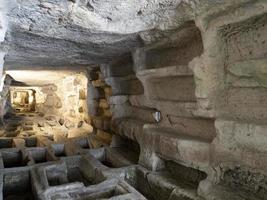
[(249, 73), (196, 127), (103, 104), (98, 83), (125, 85), (122, 66), (239, 142), (93, 92), (245, 104), (171, 88), (102, 123), (120, 99), (129, 128), (172, 146), (126, 111), (104, 136)]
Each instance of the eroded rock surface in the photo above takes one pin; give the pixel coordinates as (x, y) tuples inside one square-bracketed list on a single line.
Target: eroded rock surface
[(174, 105), (79, 32)]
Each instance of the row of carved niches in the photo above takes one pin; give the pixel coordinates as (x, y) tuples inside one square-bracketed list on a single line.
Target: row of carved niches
[(170, 87)]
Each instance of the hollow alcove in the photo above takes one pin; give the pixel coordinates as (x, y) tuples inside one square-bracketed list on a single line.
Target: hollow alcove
[(23, 100), (183, 46), (170, 87)]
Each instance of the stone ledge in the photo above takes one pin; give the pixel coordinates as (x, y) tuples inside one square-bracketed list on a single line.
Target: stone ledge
[(139, 113), (168, 71), (129, 85), (127, 127), (190, 151)]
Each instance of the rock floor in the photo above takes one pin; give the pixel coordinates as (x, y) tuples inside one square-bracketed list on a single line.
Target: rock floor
[(32, 124), (34, 166)]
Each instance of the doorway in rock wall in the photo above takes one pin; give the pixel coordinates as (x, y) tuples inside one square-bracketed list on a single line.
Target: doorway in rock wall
[(23, 100), (46, 104)]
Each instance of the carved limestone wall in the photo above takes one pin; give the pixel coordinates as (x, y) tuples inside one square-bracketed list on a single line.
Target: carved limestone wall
[(199, 100)]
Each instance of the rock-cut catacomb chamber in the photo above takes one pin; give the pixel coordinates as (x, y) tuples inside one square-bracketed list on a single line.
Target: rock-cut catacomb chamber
[(133, 100)]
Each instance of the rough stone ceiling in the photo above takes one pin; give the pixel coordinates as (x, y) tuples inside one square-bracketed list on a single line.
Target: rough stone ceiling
[(82, 32), (44, 76)]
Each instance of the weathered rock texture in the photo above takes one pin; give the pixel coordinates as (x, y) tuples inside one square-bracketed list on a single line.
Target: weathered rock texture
[(202, 102), (57, 109), (72, 33), (3, 29), (181, 86)]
